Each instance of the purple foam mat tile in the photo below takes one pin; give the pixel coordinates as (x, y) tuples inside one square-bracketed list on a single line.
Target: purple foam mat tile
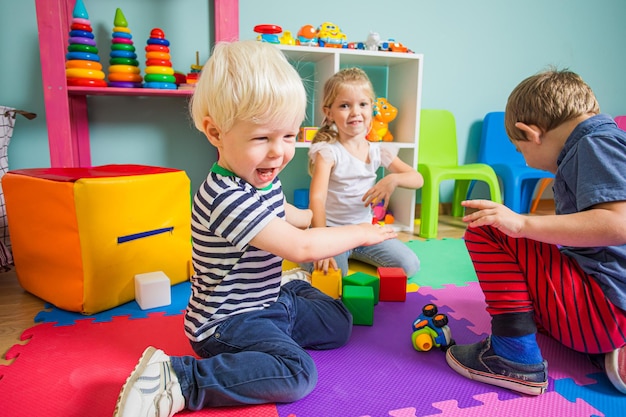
[(462, 303), (378, 371)]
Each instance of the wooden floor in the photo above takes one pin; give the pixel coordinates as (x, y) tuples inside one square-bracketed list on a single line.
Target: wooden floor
[(18, 308)]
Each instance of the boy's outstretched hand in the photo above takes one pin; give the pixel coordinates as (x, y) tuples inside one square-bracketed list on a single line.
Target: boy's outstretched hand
[(494, 214), (376, 233)]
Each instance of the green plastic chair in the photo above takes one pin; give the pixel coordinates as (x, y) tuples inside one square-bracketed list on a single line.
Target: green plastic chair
[(438, 161)]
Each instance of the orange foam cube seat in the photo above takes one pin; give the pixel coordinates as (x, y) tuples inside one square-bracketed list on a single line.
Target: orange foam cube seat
[(80, 235)]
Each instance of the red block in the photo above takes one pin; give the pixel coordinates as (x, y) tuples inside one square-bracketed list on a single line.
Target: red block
[(392, 284)]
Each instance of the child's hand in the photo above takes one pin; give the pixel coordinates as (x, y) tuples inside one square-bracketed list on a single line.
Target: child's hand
[(376, 233), (381, 191), (494, 214), (323, 264)]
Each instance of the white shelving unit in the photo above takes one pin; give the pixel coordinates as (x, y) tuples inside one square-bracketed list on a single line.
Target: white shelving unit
[(396, 76)]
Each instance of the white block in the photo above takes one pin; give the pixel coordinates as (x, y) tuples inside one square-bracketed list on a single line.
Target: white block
[(153, 289)]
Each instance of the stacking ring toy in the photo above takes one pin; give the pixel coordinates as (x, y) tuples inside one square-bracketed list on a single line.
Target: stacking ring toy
[(158, 63), (82, 55), (122, 40), (125, 77), (84, 73), (162, 86), (160, 78), (85, 82), (157, 41), (157, 48), (124, 84), (121, 29), (125, 35), (82, 41), (81, 34), (79, 63), (129, 69), (122, 47), (123, 54), (78, 26), (158, 55), (124, 61), (82, 48), (159, 70)]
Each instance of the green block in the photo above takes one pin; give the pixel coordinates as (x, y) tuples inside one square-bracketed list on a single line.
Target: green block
[(360, 301), (361, 279)]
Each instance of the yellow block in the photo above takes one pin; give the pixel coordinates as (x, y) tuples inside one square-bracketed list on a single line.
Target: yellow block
[(329, 284), (80, 235)]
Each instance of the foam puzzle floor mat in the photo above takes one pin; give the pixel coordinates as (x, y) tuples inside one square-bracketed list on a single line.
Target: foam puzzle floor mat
[(76, 368)]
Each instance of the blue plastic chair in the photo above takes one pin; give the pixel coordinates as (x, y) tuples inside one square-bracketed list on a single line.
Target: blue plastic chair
[(518, 179)]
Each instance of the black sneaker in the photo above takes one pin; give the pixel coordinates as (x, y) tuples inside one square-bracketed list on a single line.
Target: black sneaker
[(479, 362)]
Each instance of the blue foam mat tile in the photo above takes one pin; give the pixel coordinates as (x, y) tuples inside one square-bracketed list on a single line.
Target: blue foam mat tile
[(180, 297)]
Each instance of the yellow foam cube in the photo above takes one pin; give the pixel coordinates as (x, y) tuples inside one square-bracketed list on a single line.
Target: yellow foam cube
[(329, 284), (80, 235)]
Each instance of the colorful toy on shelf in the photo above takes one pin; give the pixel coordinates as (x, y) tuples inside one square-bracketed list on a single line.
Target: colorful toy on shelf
[(287, 38), (393, 46), (372, 42), (124, 69), (380, 215), (192, 76), (82, 66), (268, 33), (431, 329), (384, 113), (159, 71), (330, 36), (307, 36)]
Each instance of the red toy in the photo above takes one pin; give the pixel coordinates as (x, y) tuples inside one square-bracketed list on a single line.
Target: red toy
[(392, 284)]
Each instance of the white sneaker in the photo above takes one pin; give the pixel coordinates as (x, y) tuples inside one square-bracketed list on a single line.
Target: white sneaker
[(615, 368), (152, 389), (295, 274)]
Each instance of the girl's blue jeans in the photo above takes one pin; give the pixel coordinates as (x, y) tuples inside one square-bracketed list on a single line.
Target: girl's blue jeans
[(259, 356), (389, 253)]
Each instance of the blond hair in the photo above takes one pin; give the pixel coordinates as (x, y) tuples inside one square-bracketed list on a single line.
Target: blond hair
[(547, 100), (247, 81)]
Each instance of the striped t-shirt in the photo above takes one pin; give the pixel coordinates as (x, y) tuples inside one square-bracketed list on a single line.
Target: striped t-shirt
[(231, 276)]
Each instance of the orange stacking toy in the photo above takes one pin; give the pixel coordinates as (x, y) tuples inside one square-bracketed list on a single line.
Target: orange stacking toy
[(82, 66), (159, 71), (124, 70)]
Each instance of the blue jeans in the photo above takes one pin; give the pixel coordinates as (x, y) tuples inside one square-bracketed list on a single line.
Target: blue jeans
[(390, 253), (258, 357)]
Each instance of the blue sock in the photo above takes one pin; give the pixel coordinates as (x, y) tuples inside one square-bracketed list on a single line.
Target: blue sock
[(521, 349)]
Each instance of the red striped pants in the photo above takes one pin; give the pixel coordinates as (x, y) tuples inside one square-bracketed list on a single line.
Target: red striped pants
[(523, 275)]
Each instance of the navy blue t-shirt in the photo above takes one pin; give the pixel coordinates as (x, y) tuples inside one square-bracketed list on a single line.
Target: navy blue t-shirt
[(592, 170)]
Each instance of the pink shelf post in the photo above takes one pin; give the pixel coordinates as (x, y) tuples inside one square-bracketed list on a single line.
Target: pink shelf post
[(66, 114), (68, 129), (226, 20)]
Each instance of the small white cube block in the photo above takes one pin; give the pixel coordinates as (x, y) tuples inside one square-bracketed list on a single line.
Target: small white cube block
[(152, 289)]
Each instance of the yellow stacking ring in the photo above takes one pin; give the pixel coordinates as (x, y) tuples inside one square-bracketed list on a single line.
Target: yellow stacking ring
[(158, 55), (128, 69), (159, 70), (121, 29), (84, 73), (82, 63), (125, 77)]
